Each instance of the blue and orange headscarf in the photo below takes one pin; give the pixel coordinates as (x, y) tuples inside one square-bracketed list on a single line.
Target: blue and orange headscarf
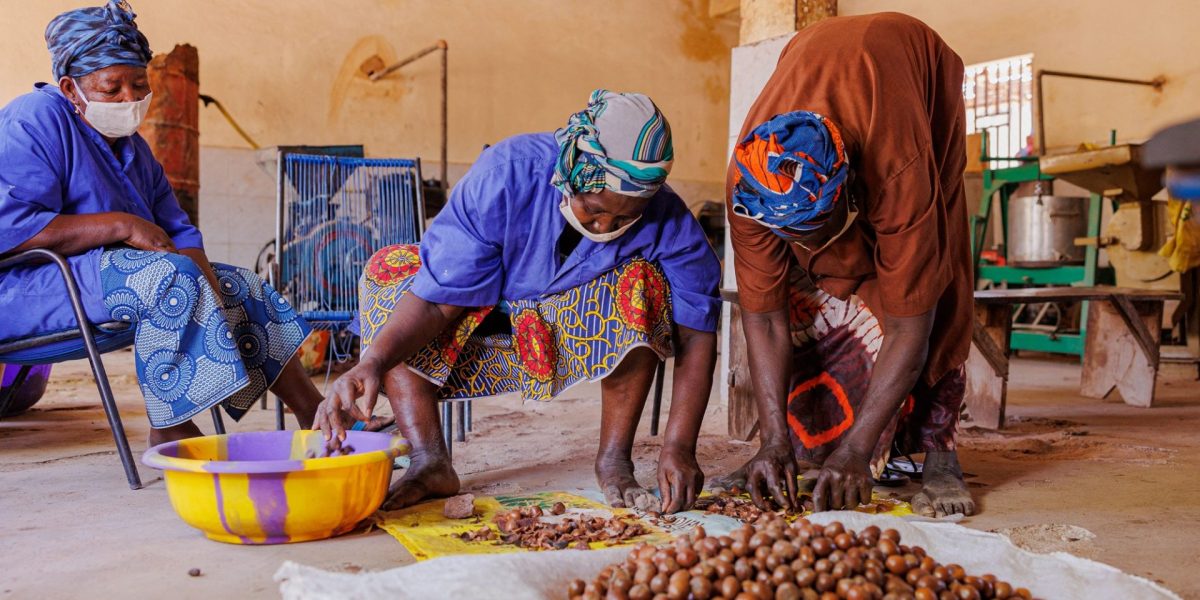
[(620, 142), (89, 39), (790, 172)]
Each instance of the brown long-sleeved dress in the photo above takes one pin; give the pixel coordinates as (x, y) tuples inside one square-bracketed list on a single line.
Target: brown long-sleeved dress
[(894, 89)]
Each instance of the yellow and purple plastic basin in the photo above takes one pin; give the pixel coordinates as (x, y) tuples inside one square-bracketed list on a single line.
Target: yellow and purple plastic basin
[(260, 487)]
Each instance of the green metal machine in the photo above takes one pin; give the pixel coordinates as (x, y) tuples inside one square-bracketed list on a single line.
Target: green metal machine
[(1000, 184)]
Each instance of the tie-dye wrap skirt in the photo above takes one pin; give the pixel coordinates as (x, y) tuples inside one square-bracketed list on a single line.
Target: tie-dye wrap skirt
[(543, 345), (835, 344)]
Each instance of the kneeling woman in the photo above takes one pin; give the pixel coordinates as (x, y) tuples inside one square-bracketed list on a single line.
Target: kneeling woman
[(560, 258)]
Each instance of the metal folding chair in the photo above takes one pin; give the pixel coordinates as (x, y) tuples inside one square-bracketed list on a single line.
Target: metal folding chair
[(87, 340), (456, 419)]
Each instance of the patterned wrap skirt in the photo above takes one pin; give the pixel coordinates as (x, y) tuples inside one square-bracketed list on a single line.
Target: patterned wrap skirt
[(835, 344), (543, 346), (194, 346)]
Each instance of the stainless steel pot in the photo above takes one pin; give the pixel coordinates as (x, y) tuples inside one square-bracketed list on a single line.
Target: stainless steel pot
[(1042, 230)]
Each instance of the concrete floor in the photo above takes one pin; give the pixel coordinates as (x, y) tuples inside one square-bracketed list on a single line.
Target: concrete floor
[(1120, 482)]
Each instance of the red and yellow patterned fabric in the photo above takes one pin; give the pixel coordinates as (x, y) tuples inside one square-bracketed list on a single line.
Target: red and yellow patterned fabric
[(557, 341)]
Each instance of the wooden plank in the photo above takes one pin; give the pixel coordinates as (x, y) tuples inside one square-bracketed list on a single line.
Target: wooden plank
[(990, 351), (743, 413), (985, 392), (987, 366), (1069, 294), (1114, 359), (996, 321), (1147, 341)]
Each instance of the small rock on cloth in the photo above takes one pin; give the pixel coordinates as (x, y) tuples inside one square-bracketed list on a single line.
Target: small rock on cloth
[(459, 507)]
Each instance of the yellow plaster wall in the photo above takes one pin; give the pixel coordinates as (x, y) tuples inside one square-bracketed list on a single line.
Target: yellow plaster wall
[(1139, 40), (288, 69)]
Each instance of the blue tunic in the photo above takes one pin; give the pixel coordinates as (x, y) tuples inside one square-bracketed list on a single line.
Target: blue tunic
[(497, 237), (52, 163)]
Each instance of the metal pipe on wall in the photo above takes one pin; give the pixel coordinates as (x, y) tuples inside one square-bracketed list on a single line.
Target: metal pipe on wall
[(392, 68), (1156, 83)]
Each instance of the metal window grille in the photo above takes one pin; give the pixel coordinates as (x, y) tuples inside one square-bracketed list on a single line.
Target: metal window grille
[(999, 99)]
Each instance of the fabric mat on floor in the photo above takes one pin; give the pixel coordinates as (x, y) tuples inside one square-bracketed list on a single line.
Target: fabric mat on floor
[(546, 574), (426, 533)]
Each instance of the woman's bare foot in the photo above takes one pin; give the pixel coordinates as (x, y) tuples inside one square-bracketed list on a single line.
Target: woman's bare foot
[(425, 478), (620, 487), (174, 433), (944, 492)]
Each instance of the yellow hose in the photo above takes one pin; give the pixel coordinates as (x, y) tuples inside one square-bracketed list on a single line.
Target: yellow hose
[(245, 136)]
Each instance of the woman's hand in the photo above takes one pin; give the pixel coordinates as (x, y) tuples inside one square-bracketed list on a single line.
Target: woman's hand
[(340, 408), (844, 482), (144, 235), (679, 479), (773, 468)]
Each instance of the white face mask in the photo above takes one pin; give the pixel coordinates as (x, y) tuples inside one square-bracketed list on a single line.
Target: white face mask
[(565, 208), (114, 119)]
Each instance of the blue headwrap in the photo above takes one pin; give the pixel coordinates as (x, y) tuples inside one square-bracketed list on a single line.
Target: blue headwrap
[(790, 171), (620, 142), (90, 39)]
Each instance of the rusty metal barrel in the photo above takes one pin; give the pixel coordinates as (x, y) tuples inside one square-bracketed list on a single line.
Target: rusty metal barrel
[(172, 127)]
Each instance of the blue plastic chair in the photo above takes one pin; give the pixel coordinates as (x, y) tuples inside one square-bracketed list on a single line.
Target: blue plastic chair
[(90, 341)]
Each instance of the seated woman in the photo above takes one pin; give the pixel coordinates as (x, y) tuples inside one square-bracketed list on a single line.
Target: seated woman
[(560, 258), (76, 178)]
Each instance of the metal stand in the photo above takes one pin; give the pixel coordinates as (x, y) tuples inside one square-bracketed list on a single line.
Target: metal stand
[(448, 427), (460, 430), (1004, 182), (218, 422), (656, 408)]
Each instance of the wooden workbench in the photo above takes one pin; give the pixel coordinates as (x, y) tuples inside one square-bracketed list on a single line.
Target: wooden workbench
[(1121, 350)]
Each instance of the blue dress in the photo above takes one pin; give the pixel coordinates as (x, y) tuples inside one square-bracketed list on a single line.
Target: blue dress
[(195, 346), (496, 239), (569, 319)]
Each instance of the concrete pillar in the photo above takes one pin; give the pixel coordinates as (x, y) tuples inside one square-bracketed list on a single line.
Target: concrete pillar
[(766, 27), (765, 19)]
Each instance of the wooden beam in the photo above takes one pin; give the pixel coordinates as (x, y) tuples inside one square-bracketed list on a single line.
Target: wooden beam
[(987, 366), (743, 412), (1071, 294), (1114, 354), (720, 8), (765, 19)]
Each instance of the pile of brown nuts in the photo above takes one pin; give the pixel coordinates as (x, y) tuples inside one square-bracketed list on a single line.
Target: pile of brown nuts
[(745, 511), (524, 527), (731, 506), (774, 559)]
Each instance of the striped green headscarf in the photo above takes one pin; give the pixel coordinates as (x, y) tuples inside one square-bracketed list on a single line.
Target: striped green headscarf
[(620, 142)]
